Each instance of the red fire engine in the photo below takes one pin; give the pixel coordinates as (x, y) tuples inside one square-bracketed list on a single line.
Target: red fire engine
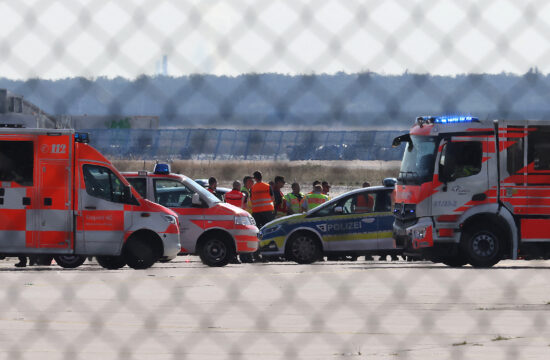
[(474, 192), (59, 196), (214, 230)]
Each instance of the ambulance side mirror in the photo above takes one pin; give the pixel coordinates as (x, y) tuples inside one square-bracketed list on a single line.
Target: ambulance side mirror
[(196, 200), (127, 194)]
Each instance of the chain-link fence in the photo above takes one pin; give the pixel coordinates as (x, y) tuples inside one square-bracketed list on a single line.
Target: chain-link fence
[(270, 67)]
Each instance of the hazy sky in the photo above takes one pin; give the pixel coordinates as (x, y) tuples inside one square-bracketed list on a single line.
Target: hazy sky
[(54, 39)]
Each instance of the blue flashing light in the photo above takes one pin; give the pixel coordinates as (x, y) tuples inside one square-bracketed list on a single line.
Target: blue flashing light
[(82, 138), (455, 119), (162, 169)]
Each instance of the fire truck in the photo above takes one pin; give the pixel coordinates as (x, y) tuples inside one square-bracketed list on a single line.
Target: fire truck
[(61, 197), (214, 230), (474, 192)]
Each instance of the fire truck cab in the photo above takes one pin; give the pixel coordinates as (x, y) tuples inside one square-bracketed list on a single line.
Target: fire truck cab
[(61, 197), (474, 192), (214, 230)]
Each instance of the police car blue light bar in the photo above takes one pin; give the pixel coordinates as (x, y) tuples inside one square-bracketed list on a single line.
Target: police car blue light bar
[(162, 169)]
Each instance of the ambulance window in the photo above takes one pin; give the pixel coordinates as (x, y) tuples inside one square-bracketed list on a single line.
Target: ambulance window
[(17, 162), (538, 151), (140, 184), (172, 193), (102, 183)]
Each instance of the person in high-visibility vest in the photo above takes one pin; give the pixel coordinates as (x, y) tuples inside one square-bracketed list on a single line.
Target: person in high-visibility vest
[(294, 199), (248, 182), (314, 199), (278, 197), (235, 197), (261, 196)]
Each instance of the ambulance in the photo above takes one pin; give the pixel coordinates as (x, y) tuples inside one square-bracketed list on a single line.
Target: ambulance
[(214, 230), (474, 192), (59, 196)]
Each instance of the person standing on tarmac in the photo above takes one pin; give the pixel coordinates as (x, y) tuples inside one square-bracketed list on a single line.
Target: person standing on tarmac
[(236, 197), (212, 187), (261, 196), (247, 187), (326, 188), (314, 199), (279, 200), (293, 200)]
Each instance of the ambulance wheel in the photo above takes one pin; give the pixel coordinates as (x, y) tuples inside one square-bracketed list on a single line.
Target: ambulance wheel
[(304, 248), (139, 253), (111, 262), (215, 251), (69, 261), (482, 246)]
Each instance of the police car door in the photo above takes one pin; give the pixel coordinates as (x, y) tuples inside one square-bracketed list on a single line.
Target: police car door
[(354, 228), (461, 175)]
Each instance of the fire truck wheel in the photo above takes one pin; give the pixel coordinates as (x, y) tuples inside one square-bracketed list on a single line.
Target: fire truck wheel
[(215, 251), (69, 261), (111, 262), (139, 254), (304, 248), (455, 262), (482, 246)]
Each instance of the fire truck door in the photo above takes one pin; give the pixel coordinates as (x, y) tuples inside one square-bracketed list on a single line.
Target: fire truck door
[(54, 219), (463, 174)]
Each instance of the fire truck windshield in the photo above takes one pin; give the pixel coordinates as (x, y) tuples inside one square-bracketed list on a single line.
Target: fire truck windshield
[(418, 161)]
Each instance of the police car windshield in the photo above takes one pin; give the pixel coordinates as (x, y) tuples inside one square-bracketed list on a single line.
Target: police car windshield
[(418, 160)]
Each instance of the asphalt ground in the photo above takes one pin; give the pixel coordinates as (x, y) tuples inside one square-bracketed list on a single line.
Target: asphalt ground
[(328, 310)]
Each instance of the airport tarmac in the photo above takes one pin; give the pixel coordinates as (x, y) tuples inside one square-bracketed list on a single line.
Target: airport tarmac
[(327, 310)]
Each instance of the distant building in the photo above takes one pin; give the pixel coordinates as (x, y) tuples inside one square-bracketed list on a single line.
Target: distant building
[(14, 109)]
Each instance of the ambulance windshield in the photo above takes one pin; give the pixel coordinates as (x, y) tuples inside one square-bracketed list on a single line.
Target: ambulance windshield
[(418, 161)]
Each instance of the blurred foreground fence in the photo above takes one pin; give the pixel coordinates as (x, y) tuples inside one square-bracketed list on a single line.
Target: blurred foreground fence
[(224, 144)]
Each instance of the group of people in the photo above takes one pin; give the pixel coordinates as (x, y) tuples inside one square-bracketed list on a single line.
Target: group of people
[(266, 201)]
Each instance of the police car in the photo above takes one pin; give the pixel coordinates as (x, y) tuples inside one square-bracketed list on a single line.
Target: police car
[(358, 222)]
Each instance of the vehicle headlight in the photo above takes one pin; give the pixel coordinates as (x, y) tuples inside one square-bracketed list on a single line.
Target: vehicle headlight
[(419, 233), (243, 220), (270, 230), (170, 219)]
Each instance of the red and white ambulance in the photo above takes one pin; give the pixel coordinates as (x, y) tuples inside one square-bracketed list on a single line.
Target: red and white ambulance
[(214, 230), (60, 196), (475, 192)]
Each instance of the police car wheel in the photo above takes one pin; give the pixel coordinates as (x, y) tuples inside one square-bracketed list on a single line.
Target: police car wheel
[(304, 249), (215, 252), (482, 247), (139, 254), (69, 261), (111, 262)]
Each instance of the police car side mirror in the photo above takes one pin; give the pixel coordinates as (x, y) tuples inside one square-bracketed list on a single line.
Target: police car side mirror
[(338, 210)]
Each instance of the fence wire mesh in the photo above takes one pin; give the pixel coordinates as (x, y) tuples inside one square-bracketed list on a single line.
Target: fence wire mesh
[(349, 65)]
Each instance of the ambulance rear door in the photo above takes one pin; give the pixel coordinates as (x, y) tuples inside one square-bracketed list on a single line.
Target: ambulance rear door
[(52, 210)]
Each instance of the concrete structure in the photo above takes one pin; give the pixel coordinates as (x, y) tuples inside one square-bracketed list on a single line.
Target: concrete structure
[(14, 109)]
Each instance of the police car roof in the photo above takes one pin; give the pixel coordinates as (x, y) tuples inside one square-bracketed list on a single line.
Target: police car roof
[(151, 174), (357, 191)]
